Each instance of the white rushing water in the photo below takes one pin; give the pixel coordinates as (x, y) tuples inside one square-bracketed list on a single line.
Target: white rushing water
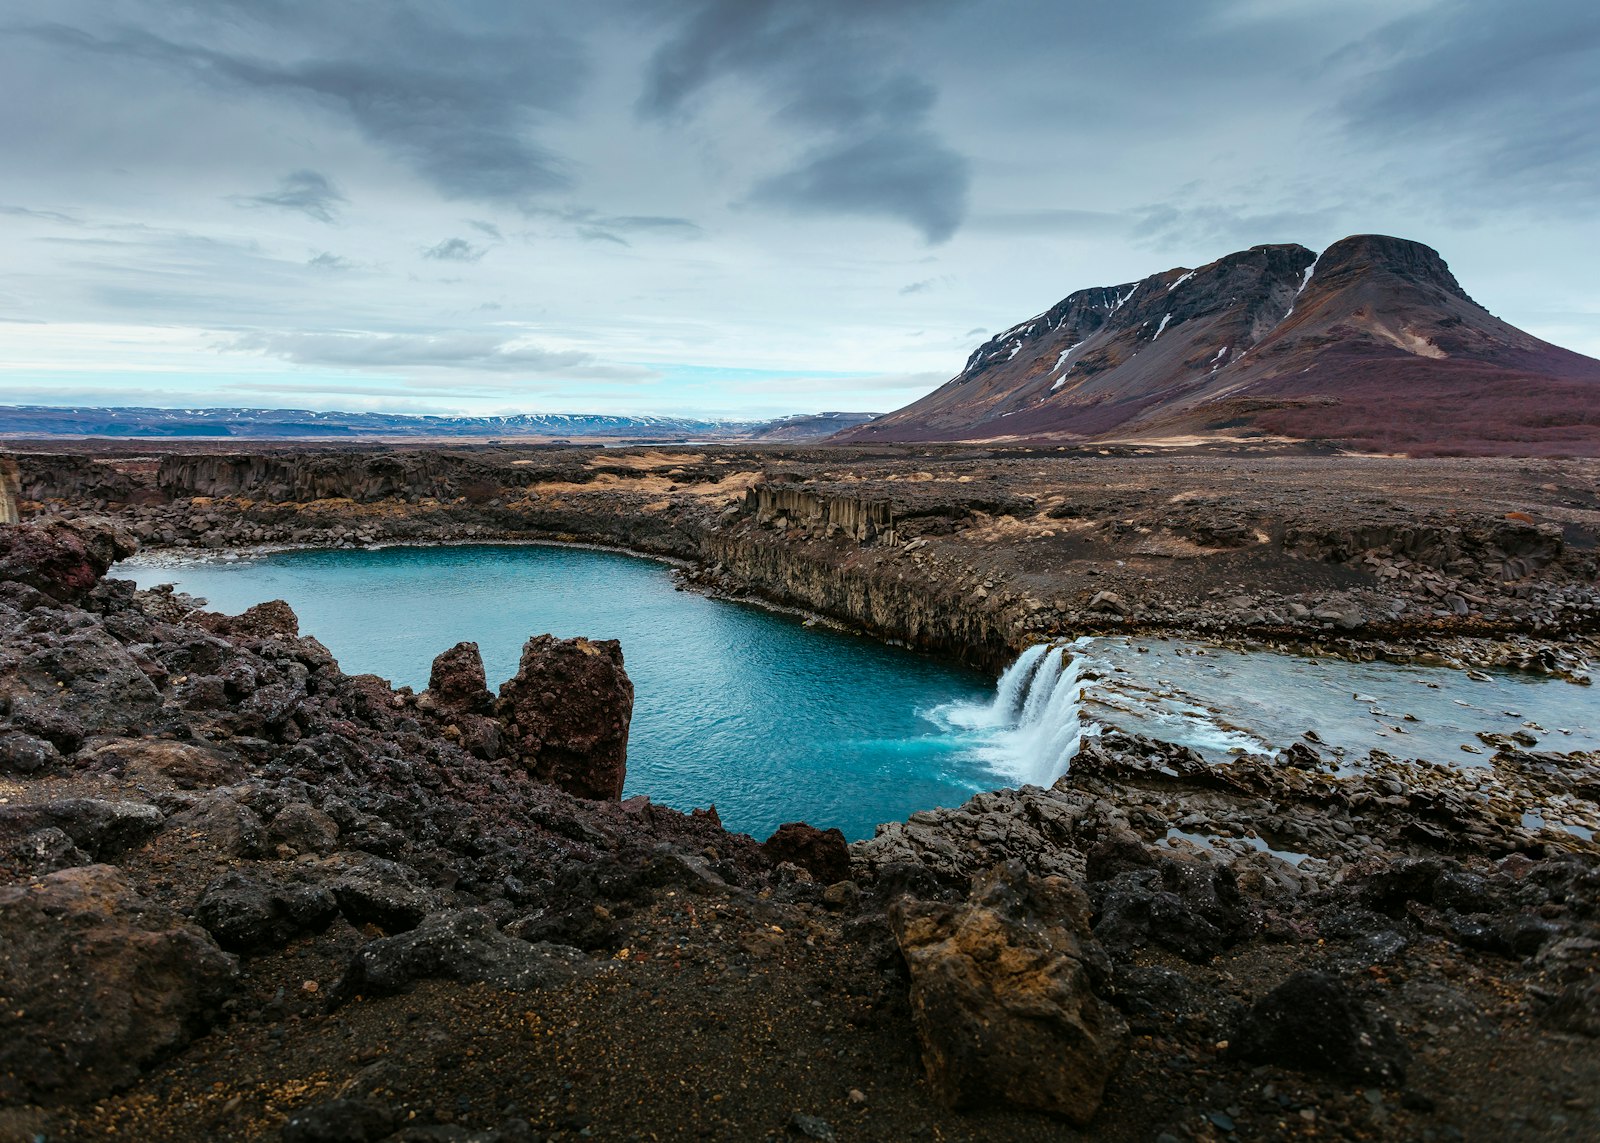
[(1032, 729), (1222, 702)]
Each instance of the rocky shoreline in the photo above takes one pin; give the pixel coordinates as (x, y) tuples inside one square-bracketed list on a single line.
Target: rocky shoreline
[(250, 897)]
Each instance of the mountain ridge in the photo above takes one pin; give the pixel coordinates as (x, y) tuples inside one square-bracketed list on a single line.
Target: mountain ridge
[(1372, 344)]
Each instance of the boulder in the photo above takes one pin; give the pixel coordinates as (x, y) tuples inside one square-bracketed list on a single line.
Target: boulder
[(1315, 1022), (383, 893), (1006, 995), (1192, 907), (95, 982), (566, 714), (464, 946), (63, 560), (162, 762), (103, 829), (820, 852), (247, 914), (26, 754)]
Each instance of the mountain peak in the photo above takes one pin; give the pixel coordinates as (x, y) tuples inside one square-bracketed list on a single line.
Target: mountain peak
[(1373, 343)]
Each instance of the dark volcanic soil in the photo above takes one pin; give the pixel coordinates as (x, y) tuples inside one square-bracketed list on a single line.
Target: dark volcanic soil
[(245, 896)]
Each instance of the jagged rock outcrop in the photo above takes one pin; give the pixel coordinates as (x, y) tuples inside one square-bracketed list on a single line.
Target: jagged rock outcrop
[(565, 714), (1006, 996), (60, 558), (861, 519), (10, 490)]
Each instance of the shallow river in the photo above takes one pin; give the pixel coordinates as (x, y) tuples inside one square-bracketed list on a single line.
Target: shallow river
[(776, 721)]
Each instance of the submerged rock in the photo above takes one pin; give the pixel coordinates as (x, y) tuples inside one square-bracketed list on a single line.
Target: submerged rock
[(566, 714), (1005, 993), (95, 982)]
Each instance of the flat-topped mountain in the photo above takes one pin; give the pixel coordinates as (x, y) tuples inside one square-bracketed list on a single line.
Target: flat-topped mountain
[(1372, 344)]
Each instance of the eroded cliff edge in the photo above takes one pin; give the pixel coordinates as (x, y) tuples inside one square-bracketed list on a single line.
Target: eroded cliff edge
[(965, 552)]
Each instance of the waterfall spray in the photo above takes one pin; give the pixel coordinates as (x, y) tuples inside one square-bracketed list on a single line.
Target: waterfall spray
[(1033, 726)]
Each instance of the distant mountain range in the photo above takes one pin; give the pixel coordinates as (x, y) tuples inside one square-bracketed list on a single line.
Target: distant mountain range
[(301, 424), (1372, 344)]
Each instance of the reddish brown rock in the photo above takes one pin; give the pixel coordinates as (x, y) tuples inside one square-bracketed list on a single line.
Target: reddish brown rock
[(60, 559), (457, 684), (95, 982), (820, 852), (565, 714), (1005, 994), (272, 619)]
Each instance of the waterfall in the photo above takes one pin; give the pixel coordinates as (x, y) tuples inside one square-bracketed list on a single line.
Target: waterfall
[(1032, 728)]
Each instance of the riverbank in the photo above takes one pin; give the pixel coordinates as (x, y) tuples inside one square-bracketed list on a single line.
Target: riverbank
[(357, 906), (970, 555)]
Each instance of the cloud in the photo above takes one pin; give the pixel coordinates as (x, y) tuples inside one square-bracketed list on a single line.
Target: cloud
[(455, 250), (917, 287), (488, 228), (307, 192), (485, 352), (1163, 226), (455, 96), (1504, 97), (41, 215), (822, 66), (330, 261), (596, 226)]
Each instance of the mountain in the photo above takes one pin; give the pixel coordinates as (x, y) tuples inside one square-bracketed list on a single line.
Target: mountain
[(301, 424), (1372, 344)]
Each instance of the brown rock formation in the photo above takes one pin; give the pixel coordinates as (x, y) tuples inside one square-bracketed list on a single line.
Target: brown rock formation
[(60, 559), (820, 852), (94, 983), (1005, 995), (566, 714)]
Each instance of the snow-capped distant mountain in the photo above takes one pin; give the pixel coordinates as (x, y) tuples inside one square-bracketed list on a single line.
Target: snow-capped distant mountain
[(300, 424)]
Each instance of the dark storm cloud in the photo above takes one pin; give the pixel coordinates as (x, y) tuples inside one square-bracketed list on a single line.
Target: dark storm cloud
[(309, 192), (824, 67), (454, 250), (1511, 89), (455, 92)]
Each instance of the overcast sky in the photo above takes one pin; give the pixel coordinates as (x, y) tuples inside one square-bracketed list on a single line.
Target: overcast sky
[(732, 207)]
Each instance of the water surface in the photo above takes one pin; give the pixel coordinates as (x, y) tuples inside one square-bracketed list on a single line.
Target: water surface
[(770, 719)]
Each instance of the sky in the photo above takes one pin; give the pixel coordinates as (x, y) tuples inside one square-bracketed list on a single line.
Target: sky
[(732, 208)]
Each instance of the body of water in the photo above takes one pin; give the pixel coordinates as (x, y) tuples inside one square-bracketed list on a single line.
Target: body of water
[(776, 721), (770, 719)]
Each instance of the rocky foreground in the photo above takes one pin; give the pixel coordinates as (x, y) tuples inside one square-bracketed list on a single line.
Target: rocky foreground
[(246, 896)]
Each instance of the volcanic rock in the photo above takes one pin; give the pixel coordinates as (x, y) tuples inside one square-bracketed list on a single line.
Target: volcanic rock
[(94, 983), (1005, 994), (822, 853), (246, 914), (457, 683), (1314, 1022), (63, 560), (566, 714), (465, 946)]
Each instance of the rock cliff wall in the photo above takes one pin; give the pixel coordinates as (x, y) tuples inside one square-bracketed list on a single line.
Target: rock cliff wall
[(9, 488)]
